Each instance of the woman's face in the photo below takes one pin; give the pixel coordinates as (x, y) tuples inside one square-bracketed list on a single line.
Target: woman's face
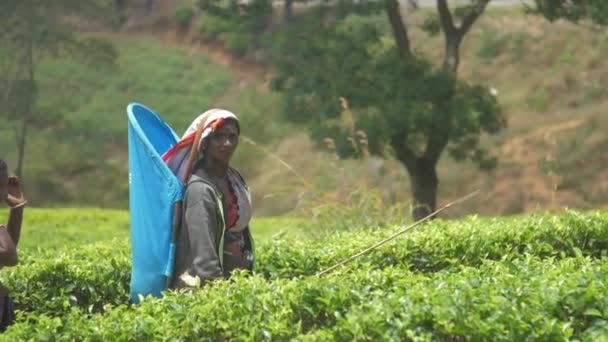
[(223, 142)]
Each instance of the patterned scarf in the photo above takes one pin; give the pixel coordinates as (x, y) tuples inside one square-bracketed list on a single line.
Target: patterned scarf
[(181, 156)]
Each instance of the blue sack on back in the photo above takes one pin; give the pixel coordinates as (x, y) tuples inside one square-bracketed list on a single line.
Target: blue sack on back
[(153, 192)]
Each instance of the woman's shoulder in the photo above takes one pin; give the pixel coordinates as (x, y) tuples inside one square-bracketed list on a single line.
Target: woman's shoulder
[(238, 175), (196, 181), (200, 191), (198, 185)]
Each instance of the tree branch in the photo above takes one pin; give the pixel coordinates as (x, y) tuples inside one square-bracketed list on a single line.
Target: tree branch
[(404, 154), (453, 34), (445, 17), (398, 26), (17, 135), (435, 145), (447, 21), (470, 19)]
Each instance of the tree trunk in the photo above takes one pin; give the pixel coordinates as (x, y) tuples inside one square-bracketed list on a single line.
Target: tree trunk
[(422, 168), (22, 136), (452, 54), (453, 34), (21, 146), (424, 184), (393, 11), (423, 176), (288, 11)]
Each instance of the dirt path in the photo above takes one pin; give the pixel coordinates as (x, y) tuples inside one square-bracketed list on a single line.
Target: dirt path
[(516, 148)]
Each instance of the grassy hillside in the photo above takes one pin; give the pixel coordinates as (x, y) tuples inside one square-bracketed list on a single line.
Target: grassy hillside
[(89, 145), (550, 80), (81, 159)]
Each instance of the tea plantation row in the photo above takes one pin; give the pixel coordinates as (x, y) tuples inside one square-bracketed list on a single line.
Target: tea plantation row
[(528, 298), (536, 277)]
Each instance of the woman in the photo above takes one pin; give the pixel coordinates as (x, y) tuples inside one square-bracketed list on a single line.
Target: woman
[(214, 238), (11, 194)]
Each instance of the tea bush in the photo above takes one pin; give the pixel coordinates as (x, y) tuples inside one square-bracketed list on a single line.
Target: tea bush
[(96, 277), (524, 299), (91, 278), (445, 244), (538, 277)]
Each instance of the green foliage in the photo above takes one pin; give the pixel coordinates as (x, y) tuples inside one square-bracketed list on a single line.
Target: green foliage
[(91, 278), (518, 46), (520, 278), (183, 17), (568, 55), (351, 210), (70, 258), (431, 24), (88, 142), (85, 132), (45, 230), (539, 100), (168, 80), (33, 30), (211, 27), (491, 45), (81, 279), (238, 43), (521, 299), (402, 102), (79, 259), (265, 229), (575, 11), (445, 245), (238, 26), (19, 95)]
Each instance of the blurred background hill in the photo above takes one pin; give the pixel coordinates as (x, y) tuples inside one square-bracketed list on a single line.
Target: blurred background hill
[(549, 78)]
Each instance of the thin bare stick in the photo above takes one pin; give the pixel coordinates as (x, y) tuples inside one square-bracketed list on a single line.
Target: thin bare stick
[(393, 236)]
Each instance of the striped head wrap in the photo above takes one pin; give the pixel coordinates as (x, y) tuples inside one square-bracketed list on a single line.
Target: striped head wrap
[(181, 156)]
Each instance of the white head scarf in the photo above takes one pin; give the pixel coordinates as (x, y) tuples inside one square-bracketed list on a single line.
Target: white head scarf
[(207, 118), (177, 157)]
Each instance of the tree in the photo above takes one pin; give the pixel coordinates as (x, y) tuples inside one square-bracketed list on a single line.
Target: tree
[(287, 11), (575, 11), (33, 30), (401, 100), (238, 25)]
